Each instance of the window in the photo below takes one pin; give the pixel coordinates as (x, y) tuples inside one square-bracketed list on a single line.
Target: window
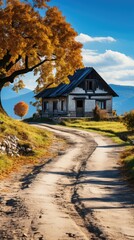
[(45, 106), (101, 104), (62, 105), (89, 85), (55, 105)]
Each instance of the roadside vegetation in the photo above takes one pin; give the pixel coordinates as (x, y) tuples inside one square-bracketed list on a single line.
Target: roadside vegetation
[(37, 139), (119, 133)]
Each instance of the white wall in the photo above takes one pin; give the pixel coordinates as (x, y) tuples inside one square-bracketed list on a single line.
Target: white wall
[(50, 104), (71, 103), (100, 91), (109, 105), (78, 90), (89, 105)]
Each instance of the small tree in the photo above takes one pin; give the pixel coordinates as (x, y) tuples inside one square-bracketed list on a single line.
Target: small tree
[(96, 112), (99, 114), (21, 109), (128, 120)]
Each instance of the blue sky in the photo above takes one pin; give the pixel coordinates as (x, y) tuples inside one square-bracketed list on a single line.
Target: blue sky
[(106, 29)]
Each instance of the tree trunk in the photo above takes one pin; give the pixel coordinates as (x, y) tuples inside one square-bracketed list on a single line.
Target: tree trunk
[(1, 107)]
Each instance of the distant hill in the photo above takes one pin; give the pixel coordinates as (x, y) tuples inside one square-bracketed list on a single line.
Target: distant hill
[(125, 101), (8, 93), (10, 98)]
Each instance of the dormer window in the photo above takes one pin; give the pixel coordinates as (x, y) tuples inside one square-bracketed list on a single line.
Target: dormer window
[(89, 85)]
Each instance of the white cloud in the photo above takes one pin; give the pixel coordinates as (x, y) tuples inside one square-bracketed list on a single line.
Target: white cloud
[(30, 80), (108, 58), (113, 66), (84, 38)]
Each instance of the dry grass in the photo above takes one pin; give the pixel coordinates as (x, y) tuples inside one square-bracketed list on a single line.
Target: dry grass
[(128, 160), (109, 128), (39, 139)]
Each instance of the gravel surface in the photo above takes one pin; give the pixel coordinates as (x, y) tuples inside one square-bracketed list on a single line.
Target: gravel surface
[(80, 194)]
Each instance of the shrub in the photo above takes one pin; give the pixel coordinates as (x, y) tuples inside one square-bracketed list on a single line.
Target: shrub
[(128, 120), (21, 109), (114, 113), (99, 114)]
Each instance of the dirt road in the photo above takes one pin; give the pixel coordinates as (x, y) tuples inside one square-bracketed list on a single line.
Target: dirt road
[(78, 195)]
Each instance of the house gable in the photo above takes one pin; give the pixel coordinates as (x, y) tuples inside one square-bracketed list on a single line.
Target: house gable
[(92, 84)]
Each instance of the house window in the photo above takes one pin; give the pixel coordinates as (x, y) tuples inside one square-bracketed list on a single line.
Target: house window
[(101, 104), (45, 106), (89, 85), (55, 103), (62, 105)]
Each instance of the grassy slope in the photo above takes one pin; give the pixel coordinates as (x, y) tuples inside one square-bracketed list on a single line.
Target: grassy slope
[(113, 130), (40, 140)]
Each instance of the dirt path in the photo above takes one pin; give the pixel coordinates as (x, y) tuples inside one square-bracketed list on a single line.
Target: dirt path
[(78, 195)]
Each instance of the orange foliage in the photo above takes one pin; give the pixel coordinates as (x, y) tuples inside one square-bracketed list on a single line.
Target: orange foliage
[(21, 109), (33, 42)]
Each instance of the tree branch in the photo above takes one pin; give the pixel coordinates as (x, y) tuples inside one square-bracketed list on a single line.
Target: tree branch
[(24, 70), (26, 62), (11, 64), (5, 59)]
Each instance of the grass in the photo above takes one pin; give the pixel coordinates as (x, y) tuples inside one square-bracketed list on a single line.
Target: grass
[(40, 141), (108, 128), (128, 159), (117, 131)]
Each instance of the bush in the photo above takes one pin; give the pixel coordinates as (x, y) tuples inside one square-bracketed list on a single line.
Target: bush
[(114, 113), (21, 109), (99, 114), (128, 120)]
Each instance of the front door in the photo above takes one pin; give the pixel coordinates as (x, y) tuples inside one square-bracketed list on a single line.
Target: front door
[(80, 108)]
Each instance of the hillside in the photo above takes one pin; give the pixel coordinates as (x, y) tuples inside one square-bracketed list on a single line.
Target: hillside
[(16, 138)]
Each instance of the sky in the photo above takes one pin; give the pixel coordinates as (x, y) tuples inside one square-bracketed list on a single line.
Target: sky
[(106, 30)]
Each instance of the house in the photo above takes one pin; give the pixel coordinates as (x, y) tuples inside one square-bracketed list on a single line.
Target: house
[(78, 98)]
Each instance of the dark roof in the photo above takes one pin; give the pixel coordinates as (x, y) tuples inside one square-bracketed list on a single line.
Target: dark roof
[(75, 80)]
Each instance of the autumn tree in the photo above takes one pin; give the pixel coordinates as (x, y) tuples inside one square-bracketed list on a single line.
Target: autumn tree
[(21, 109), (29, 41)]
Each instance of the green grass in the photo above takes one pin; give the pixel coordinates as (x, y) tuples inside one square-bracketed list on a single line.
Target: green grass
[(109, 128), (115, 130), (40, 141), (128, 160)]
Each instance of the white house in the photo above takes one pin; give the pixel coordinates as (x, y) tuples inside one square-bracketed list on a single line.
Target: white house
[(78, 98)]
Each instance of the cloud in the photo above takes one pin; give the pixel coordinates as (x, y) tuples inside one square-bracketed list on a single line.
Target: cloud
[(115, 67), (30, 80), (108, 58), (84, 38)]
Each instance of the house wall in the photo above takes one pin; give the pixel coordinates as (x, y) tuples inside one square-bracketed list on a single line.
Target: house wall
[(81, 90), (69, 105), (49, 111), (88, 106), (108, 101), (78, 90), (100, 91), (109, 105)]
